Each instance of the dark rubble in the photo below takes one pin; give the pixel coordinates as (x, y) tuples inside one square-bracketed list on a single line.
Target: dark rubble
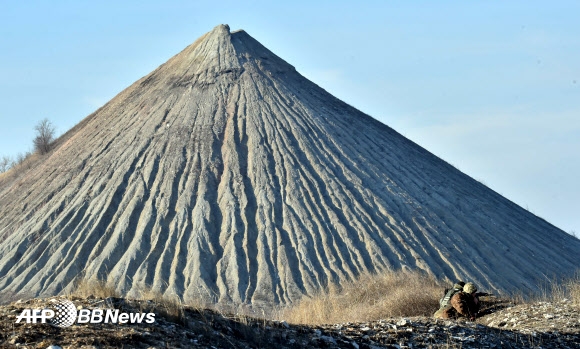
[(537, 325)]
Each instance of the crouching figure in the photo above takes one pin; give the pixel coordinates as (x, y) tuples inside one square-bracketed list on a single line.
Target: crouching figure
[(459, 303)]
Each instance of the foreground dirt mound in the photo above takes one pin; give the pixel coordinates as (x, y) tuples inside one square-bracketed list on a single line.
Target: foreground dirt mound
[(540, 325)]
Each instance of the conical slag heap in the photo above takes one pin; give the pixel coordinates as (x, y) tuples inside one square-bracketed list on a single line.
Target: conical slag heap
[(225, 174)]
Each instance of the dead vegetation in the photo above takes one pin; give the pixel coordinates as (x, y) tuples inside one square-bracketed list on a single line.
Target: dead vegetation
[(568, 289), (551, 290), (44, 136), (43, 143), (391, 294), (22, 164), (96, 288), (370, 297), (170, 307)]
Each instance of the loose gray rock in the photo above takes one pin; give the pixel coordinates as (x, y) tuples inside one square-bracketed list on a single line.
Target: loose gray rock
[(328, 339), (403, 322)]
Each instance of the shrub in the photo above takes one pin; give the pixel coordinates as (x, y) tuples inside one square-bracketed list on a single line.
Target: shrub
[(5, 163), (44, 136)]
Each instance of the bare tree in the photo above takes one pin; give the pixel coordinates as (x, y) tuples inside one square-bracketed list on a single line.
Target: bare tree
[(20, 157), (5, 163), (44, 136)]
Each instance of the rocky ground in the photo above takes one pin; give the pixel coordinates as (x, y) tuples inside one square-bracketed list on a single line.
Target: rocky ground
[(504, 325)]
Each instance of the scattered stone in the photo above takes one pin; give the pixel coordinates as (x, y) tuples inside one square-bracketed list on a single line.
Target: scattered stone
[(15, 340), (204, 329), (328, 339), (403, 322)]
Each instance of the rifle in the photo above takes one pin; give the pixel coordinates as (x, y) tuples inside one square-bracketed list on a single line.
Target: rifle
[(483, 294)]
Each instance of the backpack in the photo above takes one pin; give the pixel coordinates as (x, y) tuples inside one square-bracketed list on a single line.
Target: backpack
[(443, 302)]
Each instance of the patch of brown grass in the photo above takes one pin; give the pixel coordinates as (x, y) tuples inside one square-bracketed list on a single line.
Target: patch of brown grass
[(170, 307), (96, 288), (574, 288), (566, 289), (370, 297), (554, 290)]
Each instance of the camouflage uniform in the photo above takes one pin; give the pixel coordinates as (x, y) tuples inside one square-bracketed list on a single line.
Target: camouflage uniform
[(461, 304)]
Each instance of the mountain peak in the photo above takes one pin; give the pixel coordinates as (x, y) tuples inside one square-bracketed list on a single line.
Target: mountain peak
[(211, 55), (217, 53), (223, 29)]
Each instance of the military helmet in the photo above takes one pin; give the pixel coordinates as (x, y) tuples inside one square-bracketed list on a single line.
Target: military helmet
[(469, 288)]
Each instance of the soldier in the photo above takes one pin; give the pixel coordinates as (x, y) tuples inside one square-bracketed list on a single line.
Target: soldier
[(464, 303), (458, 287)]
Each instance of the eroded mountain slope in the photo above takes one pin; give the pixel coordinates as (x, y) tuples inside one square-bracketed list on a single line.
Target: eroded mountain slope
[(226, 174)]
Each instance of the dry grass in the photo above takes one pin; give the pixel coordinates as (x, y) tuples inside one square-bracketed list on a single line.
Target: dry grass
[(574, 288), (23, 163), (554, 290), (170, 307), (566, 289), (370, 297), (96, 288)]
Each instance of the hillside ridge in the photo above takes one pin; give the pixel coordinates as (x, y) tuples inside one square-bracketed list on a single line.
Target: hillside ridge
[(226, 175)]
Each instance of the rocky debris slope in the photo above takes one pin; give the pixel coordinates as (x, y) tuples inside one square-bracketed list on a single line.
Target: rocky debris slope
[(541, 317), (539, 325), (225, 174)]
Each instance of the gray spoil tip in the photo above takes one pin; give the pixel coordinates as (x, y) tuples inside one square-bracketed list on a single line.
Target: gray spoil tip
[(223, 27)]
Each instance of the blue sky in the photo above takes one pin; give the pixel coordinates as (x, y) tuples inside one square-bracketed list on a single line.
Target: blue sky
[(492, 87)]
